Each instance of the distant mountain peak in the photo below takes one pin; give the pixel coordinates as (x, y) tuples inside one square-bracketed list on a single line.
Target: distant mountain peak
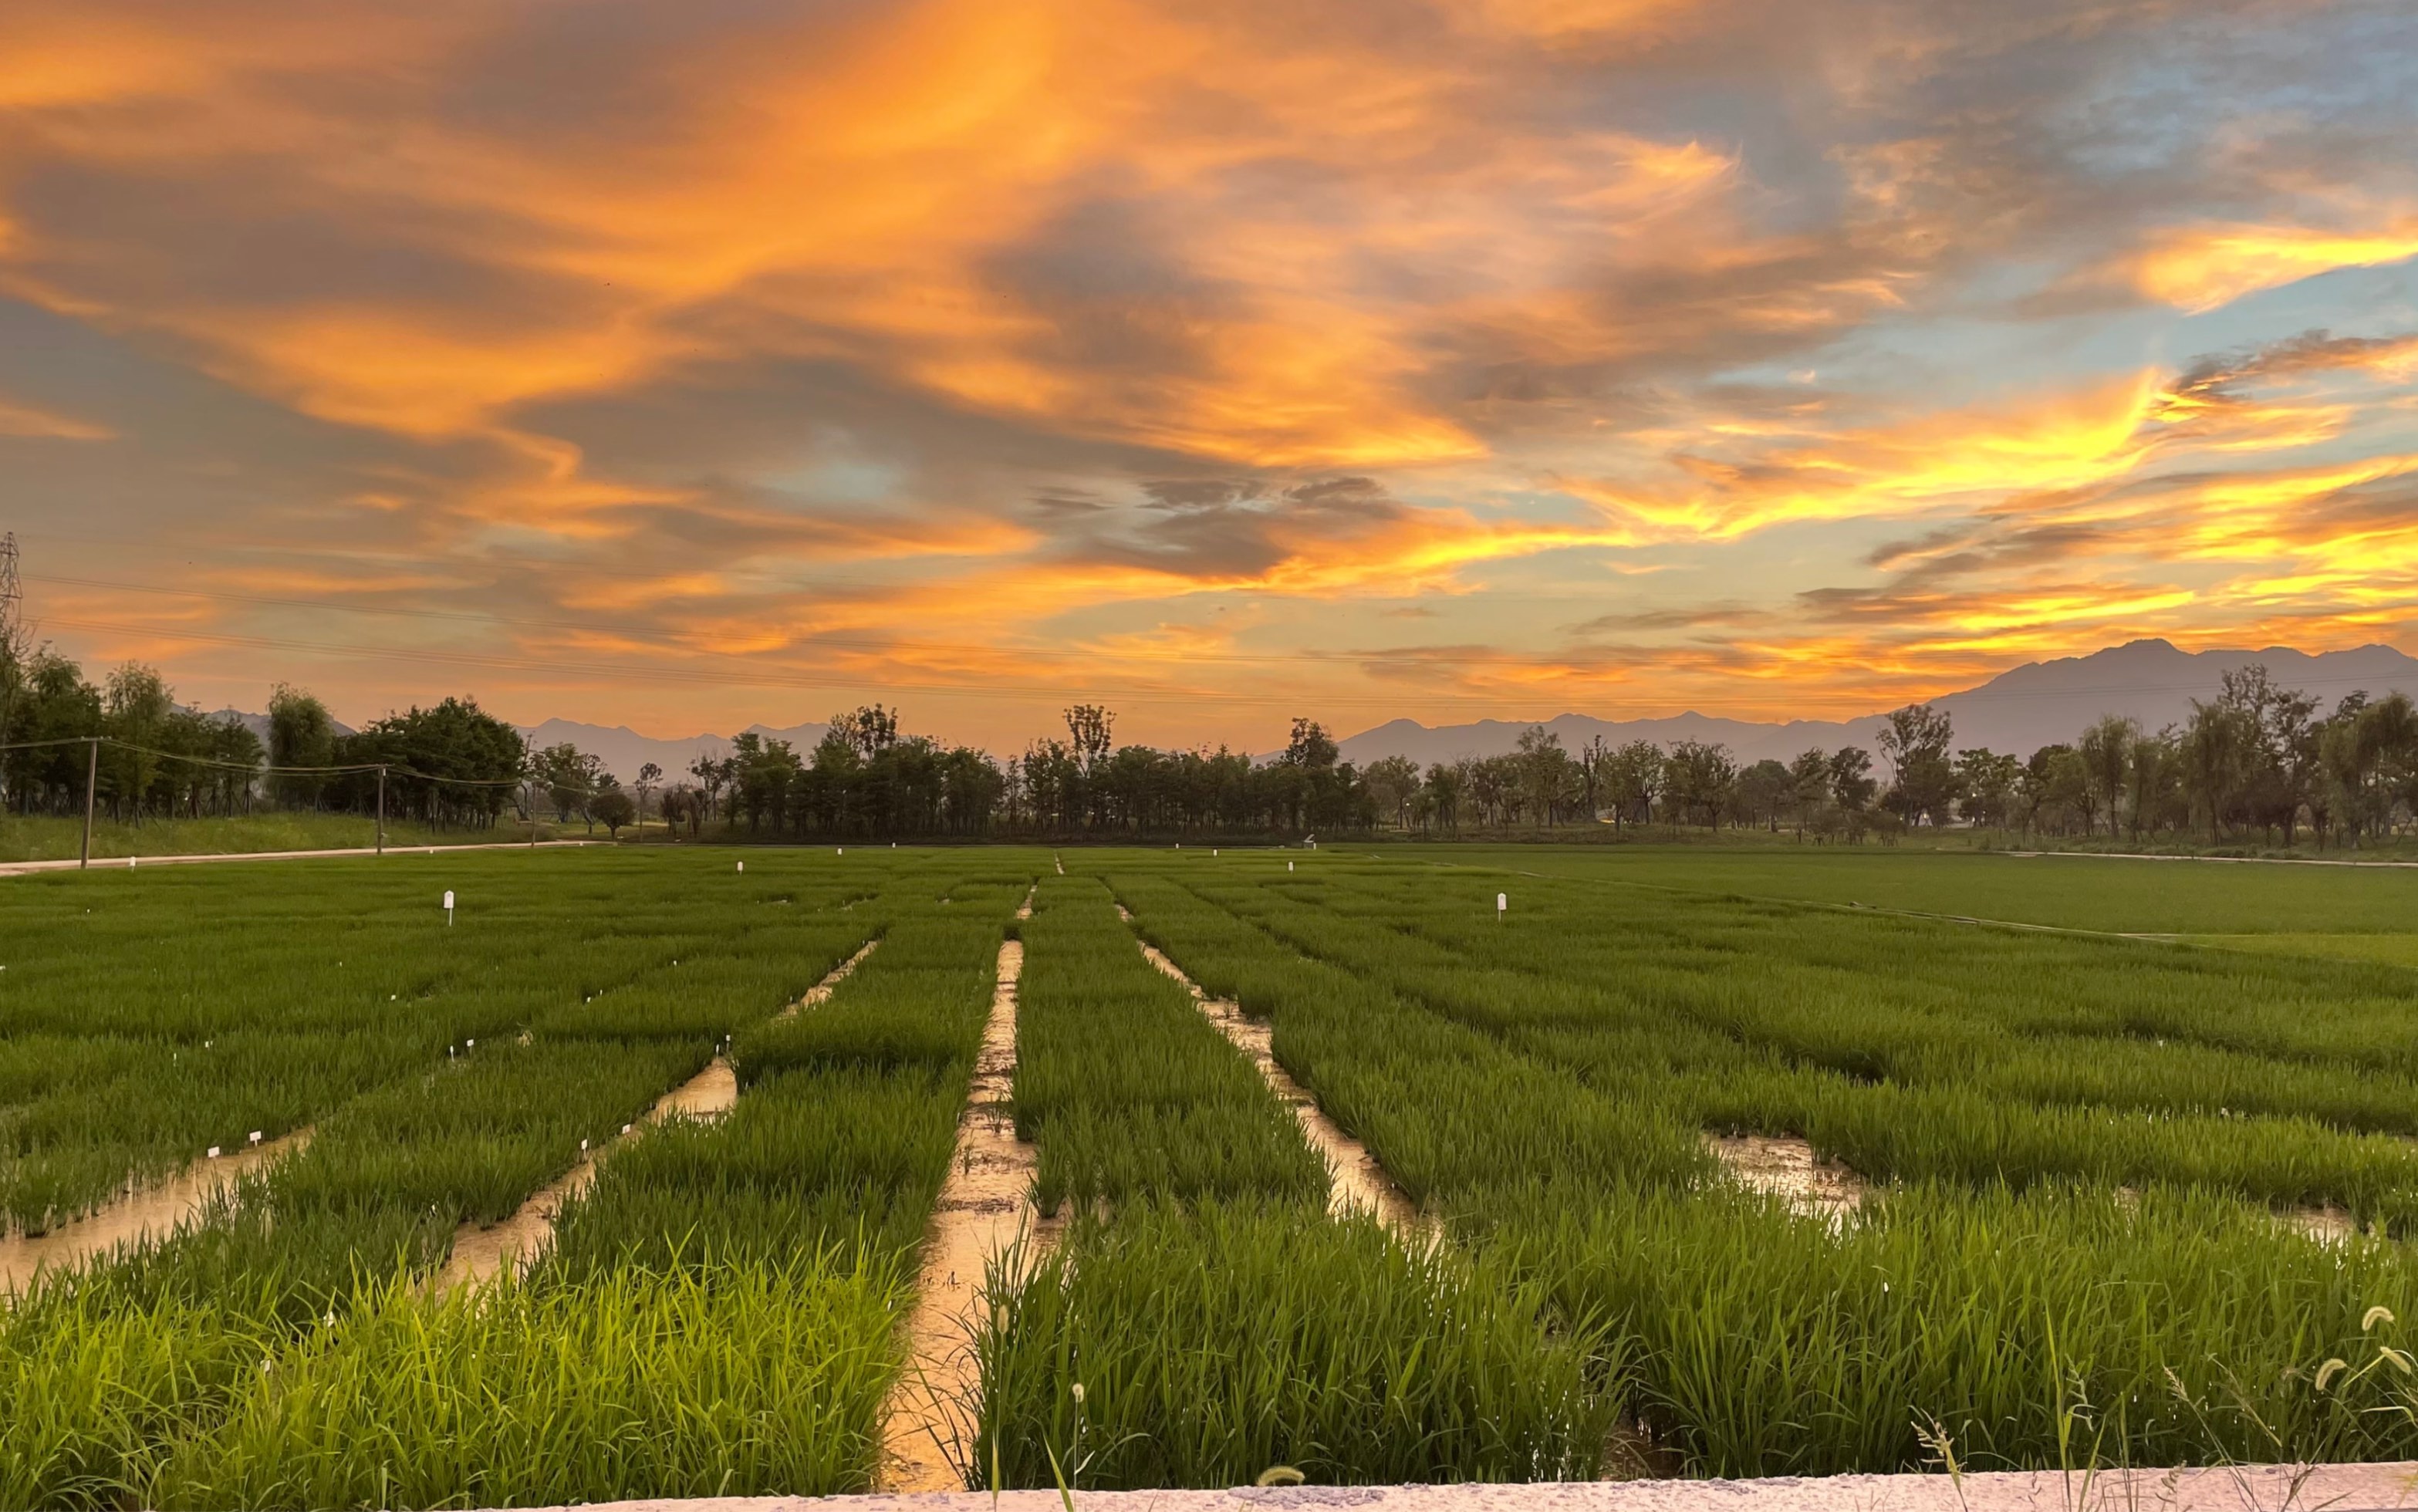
[(2150, 680)]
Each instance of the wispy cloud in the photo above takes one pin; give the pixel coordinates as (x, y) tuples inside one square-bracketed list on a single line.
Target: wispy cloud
[(1771, 352)]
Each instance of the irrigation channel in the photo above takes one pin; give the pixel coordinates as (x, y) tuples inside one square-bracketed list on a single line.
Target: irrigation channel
[(984, 1213), (144, 1216), (653, 1176), (1360, 1184), (483, 1253)]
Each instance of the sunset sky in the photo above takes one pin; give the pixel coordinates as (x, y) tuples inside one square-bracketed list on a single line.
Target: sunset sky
[(689, 365)]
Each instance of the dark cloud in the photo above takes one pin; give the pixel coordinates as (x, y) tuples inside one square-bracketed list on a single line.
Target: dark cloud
[(1691, 617), (2227, 377)]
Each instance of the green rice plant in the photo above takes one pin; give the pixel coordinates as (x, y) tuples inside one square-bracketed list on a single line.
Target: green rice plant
[(746, 1381), (1444, 1107), (846, 1159), (108, 1365), (1200, 1347), (843, 1137), (1767, 1042), (1769, 1345), (1124, 1087), (165, 1012), (97, 1391), (920, 999), (474, 1142)]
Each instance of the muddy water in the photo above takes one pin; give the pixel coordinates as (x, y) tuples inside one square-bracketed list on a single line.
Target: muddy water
[(1786, 1168), (1358, 1183), (149, 1213), (481, 1253), (2326, 1224), (815, 995), (986, 1206)]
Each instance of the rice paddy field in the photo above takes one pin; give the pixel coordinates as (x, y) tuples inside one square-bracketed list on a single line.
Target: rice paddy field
[(628, 1181)]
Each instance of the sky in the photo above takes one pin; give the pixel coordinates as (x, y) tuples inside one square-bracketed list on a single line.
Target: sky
[(741, 361)]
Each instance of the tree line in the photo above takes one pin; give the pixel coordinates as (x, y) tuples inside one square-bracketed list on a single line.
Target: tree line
[(450, 765), (2256, 759)]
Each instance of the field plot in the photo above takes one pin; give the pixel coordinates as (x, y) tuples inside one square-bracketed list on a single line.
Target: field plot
[(2090, 1161), (2070, 892), (1710, 1178)]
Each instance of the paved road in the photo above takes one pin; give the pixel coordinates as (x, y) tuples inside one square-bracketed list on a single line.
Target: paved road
[(18, 869)]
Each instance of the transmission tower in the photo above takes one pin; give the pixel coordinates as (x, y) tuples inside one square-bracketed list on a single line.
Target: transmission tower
[(12, 597)]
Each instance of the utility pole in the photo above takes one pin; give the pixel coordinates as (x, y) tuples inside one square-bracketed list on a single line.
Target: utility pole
[(13, 639), (91, 786), (381, 833)]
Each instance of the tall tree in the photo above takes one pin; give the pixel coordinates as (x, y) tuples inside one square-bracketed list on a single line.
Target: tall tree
[(1987, 781), (301, 733), (2106, 752), (1915, 743)]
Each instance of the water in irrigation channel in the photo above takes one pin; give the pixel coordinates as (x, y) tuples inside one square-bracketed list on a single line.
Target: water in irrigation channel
[(985, 1210), (481, 1253), (150, 1212), (1786, 1168), (1358, 1183)]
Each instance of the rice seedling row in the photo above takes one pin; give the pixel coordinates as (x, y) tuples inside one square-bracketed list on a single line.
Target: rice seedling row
[(1205, 1319), (273, 1271), (1999, 1304), (2075, 1159)]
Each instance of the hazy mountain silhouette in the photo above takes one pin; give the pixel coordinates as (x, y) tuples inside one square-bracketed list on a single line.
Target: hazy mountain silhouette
[(623, 750), (2019, 710)]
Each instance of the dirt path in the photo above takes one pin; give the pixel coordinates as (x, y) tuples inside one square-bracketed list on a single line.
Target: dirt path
[(985, 1207), (18, 869), (151, 1212), (481, 1253), (1787, 1168), (1359, 1183), (814, 997)]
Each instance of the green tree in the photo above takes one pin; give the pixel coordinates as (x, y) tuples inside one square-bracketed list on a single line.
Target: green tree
[(1852, 785), (613, 809), (2106, 750), (1393, 783), (301, 733), (1987, 781), (1915, 743)]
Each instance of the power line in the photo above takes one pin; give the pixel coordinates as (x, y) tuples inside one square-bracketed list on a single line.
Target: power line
[(265, 768)]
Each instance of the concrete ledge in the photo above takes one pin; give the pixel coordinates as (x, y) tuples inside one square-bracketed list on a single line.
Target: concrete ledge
[(2378, 1487)]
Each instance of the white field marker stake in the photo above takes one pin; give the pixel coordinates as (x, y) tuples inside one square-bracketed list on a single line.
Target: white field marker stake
[(1501, 902), (742, 865), (1288, 866), (449, 908)]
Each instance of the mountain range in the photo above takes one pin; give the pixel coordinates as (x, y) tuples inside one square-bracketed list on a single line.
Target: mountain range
[(2040, 703), (2153, 682), (623, 750)]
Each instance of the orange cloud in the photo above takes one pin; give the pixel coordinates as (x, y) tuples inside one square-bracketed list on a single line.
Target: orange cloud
[(780, 340), (33, 420), (2198, 268)]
